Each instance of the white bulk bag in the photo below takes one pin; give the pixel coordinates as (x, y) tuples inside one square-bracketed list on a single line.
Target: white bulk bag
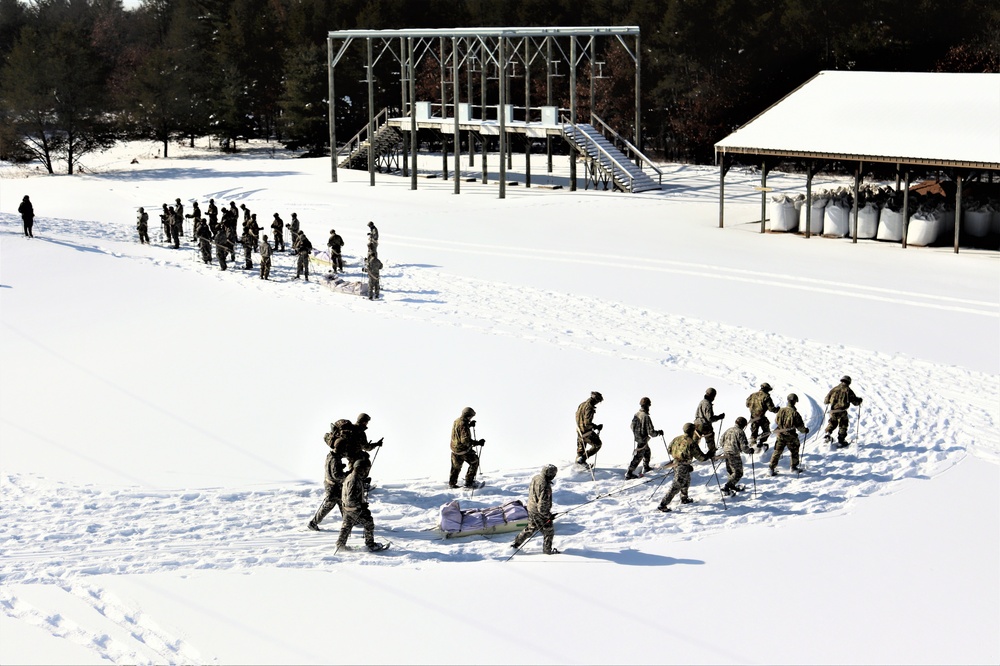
[(817, 210), (867, 221), (890, 225), (977, 222), (835, 219), (924, 228), (784, 214)]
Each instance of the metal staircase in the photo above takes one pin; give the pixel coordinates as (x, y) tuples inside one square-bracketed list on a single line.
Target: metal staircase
[(608, 157), (387, 142)]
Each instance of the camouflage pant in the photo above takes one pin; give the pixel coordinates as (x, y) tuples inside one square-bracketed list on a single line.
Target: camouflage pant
[(265, 268), (456, 466), (331, 498), (206, 251), (279, 241), (143, 235), (303, 265), (173, 236), (734, 466), (838, 418), (792, 444), (373, 287), (248, 256), (536, 522), (761, 423), (220, 252), (709, 436), (641, 455), (588, 445), (682, 481), (357, 515), (337, 261)]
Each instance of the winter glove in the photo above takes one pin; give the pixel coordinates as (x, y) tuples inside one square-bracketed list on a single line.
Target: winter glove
[(379, 442), (806, 431), (482, 442), (472, 424), (720, 416), (599, 427), (763, 448), (860, 400), (658, 433)]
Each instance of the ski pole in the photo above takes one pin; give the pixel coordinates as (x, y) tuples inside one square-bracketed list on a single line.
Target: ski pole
[(374, 458), (718, 483), (753, 470), (657, 486), (478, 470), (857, 432)]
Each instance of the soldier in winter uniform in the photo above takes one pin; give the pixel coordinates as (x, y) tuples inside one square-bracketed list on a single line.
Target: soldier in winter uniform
[(683, 449), (588, 439), (734, 443), (179, 216), (462, 450), (704, 417), (759, 403), (372, 243), (303, 248), (175, 227), (788, 422), (840, 398), (27, 212), (204, 235), (166, 221), (540, 514), (142, 226), (213, 213), (355, 506), (374, 271), (246, 240), (333, 481), (254, 229), (336, 244), (222, 246), (278, 227), (643, 431), (357, 445), (195, 216), (293, 231), (265, 258)]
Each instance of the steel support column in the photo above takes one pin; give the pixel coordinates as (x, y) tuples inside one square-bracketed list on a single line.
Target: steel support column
[(413, 112), (958, 208), (371, 115), (502, 57), (455, 95), (333, 110)]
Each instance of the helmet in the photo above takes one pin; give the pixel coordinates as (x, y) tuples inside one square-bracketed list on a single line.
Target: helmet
[(596, 396), (362, 463), (645, 402), (333, 231), (792, 398), (765, 387), (295, 216), (710, 393), (178, 199), (741, 422), (141, 209), (363, 418), (371, 224), (468, 413), (688, 428), (549, 471), (846, 379)]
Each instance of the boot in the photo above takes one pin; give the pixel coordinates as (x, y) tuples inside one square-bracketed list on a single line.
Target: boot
[(774, 472), (827, 438), (686, 500), (664, 509), (313, 526), (552, 551), (630, 475), (376, 547)]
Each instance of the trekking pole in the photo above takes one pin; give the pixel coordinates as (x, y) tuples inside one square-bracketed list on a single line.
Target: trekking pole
[(657, 486), (718, 483), (753, 470), (478, 470), (369, 486), (857, 433)]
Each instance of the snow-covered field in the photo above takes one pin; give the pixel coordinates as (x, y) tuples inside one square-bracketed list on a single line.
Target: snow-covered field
[(161, 426)]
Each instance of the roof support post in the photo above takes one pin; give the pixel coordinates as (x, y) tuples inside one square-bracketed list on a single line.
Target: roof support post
[(857, 191), (444, 109), (482, 98), (502, 57), (906, 206), (593, 57), (527, 112), (548, 97), (810, 168), (763, 194), (404, 98), (723, 168), (413, 111), (468, 88), (572, 109), (333, 111), (958, 207), (455, 89), (371, 115), (638, 95)]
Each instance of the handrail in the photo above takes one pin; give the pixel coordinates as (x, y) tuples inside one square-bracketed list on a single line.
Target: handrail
[(631, 147), (615, 166)]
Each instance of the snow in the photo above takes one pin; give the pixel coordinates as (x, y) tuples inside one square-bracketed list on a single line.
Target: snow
[(161, 427), (907, 116)]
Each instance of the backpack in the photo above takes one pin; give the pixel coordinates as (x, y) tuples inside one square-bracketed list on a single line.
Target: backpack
[(337, 428)]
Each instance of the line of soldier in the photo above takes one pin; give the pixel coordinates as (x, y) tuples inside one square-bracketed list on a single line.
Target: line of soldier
[(348, 441), (222, 233)]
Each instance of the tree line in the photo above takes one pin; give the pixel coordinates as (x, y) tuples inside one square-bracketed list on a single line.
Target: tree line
[(79, 75)]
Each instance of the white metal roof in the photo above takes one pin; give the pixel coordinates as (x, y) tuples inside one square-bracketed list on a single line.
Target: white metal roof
[(907, 117)]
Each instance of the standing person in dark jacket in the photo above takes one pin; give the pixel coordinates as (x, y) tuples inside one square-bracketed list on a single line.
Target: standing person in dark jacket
[(278, 229), (222, 246), (643, 431), (27, 212), (336, 244), (462, 449), (265, 258), (246, 240), (355, 507), (540, 514), (204, 234), (303, 248), (142, 226), (374, 268)]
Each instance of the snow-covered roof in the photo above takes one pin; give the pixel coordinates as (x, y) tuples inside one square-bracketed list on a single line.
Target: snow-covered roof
[(906, 117)]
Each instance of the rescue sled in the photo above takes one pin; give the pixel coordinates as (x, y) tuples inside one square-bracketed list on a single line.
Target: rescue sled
[(456, 522)]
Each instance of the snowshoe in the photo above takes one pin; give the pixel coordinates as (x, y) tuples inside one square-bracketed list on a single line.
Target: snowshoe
[(687, 500), (554, 551), (475, 485), (664, 509), (827, 438), (774, 472), (630, 475), (313, 526), (378, 547), (843, 444)]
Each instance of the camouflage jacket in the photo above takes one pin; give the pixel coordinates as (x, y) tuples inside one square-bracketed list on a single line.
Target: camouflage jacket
[(642, 427), (585, 418), (759, 404), (334, 469), (734, 440), (374, 266), (335, 243), (682, 449), (840, 398), (353, 494), (265, 250), (540, 495), (704, 416), (788, 421), (461, 437)]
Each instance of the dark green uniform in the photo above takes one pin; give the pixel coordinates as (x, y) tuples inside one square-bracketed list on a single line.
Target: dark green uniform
[(588, 441), (788, 421), (355, 506), (683, 449), (840, 398), (462, 450), (540, 510), (759, 404)]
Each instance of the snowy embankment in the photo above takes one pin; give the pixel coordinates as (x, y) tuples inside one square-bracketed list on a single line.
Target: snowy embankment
[(163, 418)]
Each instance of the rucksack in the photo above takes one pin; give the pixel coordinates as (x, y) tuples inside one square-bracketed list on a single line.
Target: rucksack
[(337, 428)]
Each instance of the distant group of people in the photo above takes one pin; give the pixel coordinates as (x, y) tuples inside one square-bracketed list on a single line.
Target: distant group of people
[(219, 228), (684, 449)]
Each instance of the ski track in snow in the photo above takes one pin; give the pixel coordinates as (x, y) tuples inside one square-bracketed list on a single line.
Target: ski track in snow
[(61, 534)]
